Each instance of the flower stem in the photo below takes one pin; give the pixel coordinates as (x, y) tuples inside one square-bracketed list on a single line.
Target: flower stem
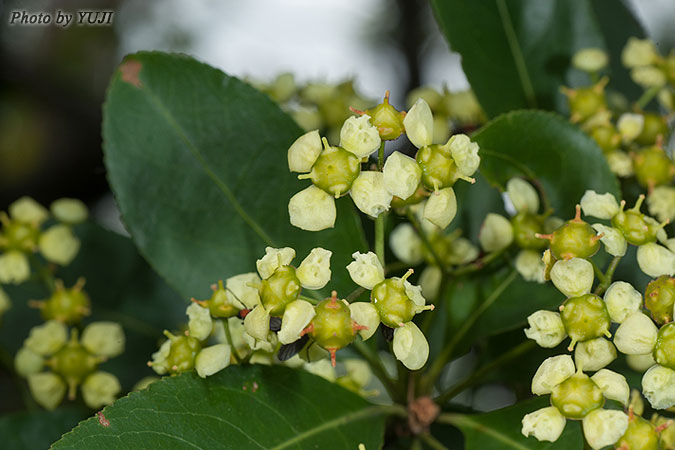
[(647, 97), (376, 365), (608, 275), (226, 327), (379, 222), (432, 442)]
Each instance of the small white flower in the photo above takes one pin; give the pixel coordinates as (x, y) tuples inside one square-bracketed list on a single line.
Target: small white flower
[(661, 202), (465, 154), (622, 300), (613, 240), (658, 386), (240, 292), (365, 314), (69, 210), (602, 206), (104, 339), (27, 362), (573, 277), (402, 175), (496, 233), (257, 323), (59, 245), (630, 126), (590, 59), (430, 281), (273, 259), (200, 323), (100, 389), (47, 389), (552, 372), (603, 427), (406, 244), (530, 266), (419, 124), (14, 267), (640, 363), (441, 207), (639, 52), (613, 385), (28, 211), (314, 271), (410, 346), (370, 194), (546, 328), (304, 152), (312, 209), (48, 338), (648, 76), (359, 136), (213, 359), (297, 316), (636, 335), (523, 196), (656, 260), (546, 424), (594, 354), (366, 270)]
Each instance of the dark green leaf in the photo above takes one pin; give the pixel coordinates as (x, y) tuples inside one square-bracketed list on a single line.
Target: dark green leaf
[(197, 161), (36, 430), (241, 407), (516, 54)]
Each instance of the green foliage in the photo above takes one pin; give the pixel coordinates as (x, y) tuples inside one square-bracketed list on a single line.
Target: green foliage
[(38, 429)]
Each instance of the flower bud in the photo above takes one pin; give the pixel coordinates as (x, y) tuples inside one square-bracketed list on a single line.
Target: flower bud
[(630, 126), (615, 243), (652, 167), (660, 298), (430, 281), (213, 359), (637, 228), (14, 267), (200, 323), (636, 335), (648, 77), (402, 175), (104, 338), (575, 239), (526, 227), (366, 270), (664, 349), (48, 338), (27, 362), (297, 316), (465, 154), (639, 52), (47, 389), (585, 318), (613, 385), (552, 372), (66, 305), (387, 120), (239, 289), (602, 206), (28, 211), (406, 244), (523, 196), (439, 169), (658, 387), (410, 346), (312, 209), (334, 170), (546, 328), (656, 260), (604, 427), (622, 300), (281, 288), (365, 314), (584, 103), (546, 424), (369, 193), (640, 363), (620, 163), (273, 259), (590, 59), (397, 301), (573, 277), (59, 245), (594, 354), (100, 389), (661, 202), (359, 136), (496, 233), (441, 207), (640, 435), (577, 396), (419, 124), (333, 327), (70, 211)]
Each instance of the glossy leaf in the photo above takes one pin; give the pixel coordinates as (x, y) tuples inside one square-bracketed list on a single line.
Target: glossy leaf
[(241, 407), (197, 162)]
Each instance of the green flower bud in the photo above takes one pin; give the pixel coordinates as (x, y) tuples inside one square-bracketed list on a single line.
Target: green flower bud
[(370, 194), (366, 315), (573, 277), (622, 300), (359, 136), (655, 125), (314, 271), (607, 137), (14, 267), (220, 304), (661, 202), (281, 288), (546, 424), (660, 298), (586, 102), (200, 324), (302, 154), (664, 350), (636, 335), (67, 305), (603, 427), (640, 435), (73, 362), (402, 175), (366, 270), (523, 196), (634, 225), (496, 233), (630, 126), (406, 244), (640, 363), (577, 396), (463, 107), (658, 386), (526, 227), (387, 120), (613, 240), (530, 266), (297, 316), (410, 346), (312, 209), (594, 354), (441, 207), (70, 211), (552, 372), (652, 167), (47, 389), (59, 245), (104, 339), (590, 59), (334, 171), (397, 301), (28, 211), (613, 385), (27, 362), (656, 260), (100, 389), (18, 235), (180, 357), (585, 318), (419, 124), (602, 206), (48, 338), (282, 88), (575, 239), (664, 425), (333, 327), (636, 53), (213, 359)]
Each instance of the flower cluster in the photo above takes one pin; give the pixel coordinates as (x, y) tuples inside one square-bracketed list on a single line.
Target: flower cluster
[(336, 171)]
